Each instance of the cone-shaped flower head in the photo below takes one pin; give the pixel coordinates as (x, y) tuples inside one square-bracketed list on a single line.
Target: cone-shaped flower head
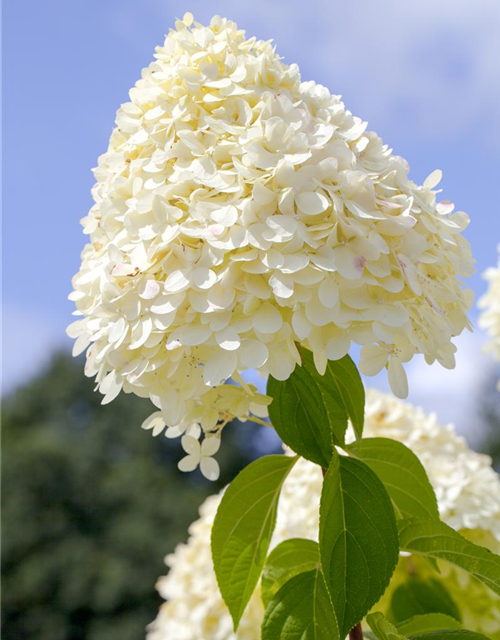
[(468, 493), (239, 211)]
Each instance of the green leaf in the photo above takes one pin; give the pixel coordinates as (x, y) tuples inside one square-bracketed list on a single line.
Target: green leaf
[(450, 634), (403, 475), (358, 539), (288, 559), (436, 540), (310, 411), (243, 527), (350, 388), (382, 628), (417, 596), (427, 623), (301, 610)]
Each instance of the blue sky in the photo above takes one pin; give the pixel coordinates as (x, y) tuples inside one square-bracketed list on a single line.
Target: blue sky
[(424, 73)]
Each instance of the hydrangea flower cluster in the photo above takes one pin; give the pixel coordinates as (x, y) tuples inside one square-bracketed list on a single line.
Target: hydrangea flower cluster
[(239, 211), (490, 303), (468, 492)]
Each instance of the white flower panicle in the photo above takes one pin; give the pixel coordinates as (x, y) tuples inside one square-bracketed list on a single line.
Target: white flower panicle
[(490, 303), (468, 493), (239, 211)]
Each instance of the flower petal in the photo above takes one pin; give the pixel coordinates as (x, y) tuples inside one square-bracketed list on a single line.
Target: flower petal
[(226, 216), (338, 345), (210, 445), (433, 179), (219, 368), (397, 378), (267, 319), (204, 278), (348, 264), (253, 354), (188, 463), (154, 422), (373, 359), (311, 202), (210, 468), (177, 281), (191, 446), (228, 339)]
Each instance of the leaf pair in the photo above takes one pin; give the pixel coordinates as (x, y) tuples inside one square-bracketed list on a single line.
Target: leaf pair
[(346, 574), (310, 411)]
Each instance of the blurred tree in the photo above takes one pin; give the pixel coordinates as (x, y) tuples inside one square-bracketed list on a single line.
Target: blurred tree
[(489, 407), (91, 504)]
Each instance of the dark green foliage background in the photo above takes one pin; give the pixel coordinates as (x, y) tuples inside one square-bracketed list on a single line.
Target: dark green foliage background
[(91, 505), (489, 415)]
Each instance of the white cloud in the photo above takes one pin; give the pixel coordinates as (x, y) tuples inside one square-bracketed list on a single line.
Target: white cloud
[(29, 339), (452, 394), (428, 64)]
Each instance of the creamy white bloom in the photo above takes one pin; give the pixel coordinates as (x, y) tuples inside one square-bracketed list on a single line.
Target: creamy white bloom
[(201, 454), (239, 211), (490, 303), (468, 493)]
